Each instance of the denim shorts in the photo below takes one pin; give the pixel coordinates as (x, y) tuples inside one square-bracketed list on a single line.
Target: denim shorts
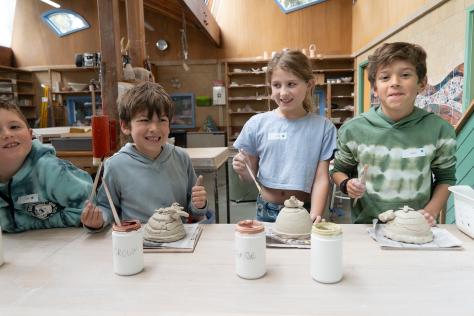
[(268, 211)]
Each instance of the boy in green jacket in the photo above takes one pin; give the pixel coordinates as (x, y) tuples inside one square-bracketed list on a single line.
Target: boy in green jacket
[(410, 153)]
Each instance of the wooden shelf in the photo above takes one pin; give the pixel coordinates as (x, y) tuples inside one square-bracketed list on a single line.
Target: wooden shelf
[(333, 70), (341, 110), (262, 98), (248, 86), (246, 73), (342, 97), (76, 92), (249, 82)]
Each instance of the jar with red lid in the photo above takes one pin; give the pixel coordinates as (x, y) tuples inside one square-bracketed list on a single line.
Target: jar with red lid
[(250, 244), (127, 245)]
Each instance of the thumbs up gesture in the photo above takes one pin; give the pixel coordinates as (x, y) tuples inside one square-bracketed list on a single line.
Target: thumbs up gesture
[(199, 194)]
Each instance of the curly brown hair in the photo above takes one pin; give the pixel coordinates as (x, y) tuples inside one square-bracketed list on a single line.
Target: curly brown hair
[(145, 96), (390, 52)]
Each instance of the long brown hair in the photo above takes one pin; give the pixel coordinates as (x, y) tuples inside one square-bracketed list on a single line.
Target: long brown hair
[(298, 64)]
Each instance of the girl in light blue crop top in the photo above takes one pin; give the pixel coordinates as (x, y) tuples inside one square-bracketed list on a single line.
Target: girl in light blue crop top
[(289, 148)]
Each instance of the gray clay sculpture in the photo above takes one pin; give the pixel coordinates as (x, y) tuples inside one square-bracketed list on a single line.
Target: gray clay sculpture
[(165, 224), (406, 225), (293, 221)]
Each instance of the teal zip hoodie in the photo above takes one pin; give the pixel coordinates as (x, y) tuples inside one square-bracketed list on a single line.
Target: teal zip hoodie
[(406, 159), (46, 192)]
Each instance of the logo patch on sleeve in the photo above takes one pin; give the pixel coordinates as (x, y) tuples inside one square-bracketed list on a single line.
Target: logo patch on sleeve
[(42, 210)]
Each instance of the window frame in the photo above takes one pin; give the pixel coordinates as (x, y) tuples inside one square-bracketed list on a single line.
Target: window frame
[(45, 17), (299, 6)]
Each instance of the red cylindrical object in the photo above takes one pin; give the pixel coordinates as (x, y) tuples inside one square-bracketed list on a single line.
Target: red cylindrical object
[(113, 135), (100, 138)]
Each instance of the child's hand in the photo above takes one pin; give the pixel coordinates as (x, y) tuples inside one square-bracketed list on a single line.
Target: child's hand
[(238, 163), (199, 194), (316, 218), (429, 218), (355, 188), (92, 216)]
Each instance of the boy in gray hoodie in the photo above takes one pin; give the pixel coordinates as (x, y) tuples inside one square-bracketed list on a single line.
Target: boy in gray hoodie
[(37, 189), (148, 173), (409, 152)]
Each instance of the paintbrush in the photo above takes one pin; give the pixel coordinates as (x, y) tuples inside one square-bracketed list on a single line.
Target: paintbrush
[(112, 206), (96, 180), (251, 173), (361, 179)]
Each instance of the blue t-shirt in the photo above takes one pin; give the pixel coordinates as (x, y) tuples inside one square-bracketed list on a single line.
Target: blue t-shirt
[(288, 150)]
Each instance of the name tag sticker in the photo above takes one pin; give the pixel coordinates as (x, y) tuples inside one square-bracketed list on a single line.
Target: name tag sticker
[(413, 153), (277, 136), (25, 199)]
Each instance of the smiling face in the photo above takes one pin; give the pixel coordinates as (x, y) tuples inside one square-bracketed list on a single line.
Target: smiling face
[(289, 92), (15, 143), (149, 134), (397, 86)]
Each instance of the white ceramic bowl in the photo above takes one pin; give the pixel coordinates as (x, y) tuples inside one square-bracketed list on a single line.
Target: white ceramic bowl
[(78, 86), (346, 79)]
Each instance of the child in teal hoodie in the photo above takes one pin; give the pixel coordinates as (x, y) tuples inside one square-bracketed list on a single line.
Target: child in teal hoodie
[(409, 153), (37, 189)]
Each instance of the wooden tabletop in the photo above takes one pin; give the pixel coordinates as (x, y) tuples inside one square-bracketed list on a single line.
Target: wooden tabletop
[(69, 272)]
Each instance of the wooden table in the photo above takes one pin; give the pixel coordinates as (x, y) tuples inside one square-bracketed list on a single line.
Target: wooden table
[(69, 272), (204, 160)]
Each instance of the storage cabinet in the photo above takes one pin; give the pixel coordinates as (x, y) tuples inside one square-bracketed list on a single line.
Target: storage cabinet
[(334, 76), (68, 104), (17, 85), (248, 93)]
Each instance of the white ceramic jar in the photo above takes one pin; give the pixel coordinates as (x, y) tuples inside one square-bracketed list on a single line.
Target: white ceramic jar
[(250, 244), (1, 247), (127, 245), (326, 252)]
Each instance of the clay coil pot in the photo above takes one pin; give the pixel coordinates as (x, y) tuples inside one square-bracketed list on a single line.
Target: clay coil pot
[(406, 225), (293, 221), (165, 224)]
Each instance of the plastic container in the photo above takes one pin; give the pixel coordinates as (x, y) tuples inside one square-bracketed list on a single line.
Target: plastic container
[(464, 208), (326, 252), (127, 245), (250, 244)]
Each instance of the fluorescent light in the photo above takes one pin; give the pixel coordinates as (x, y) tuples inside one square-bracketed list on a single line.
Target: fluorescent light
[(51, 3)]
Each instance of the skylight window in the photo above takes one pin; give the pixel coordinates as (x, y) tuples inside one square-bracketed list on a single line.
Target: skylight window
[(288, 6), (64, 22)]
